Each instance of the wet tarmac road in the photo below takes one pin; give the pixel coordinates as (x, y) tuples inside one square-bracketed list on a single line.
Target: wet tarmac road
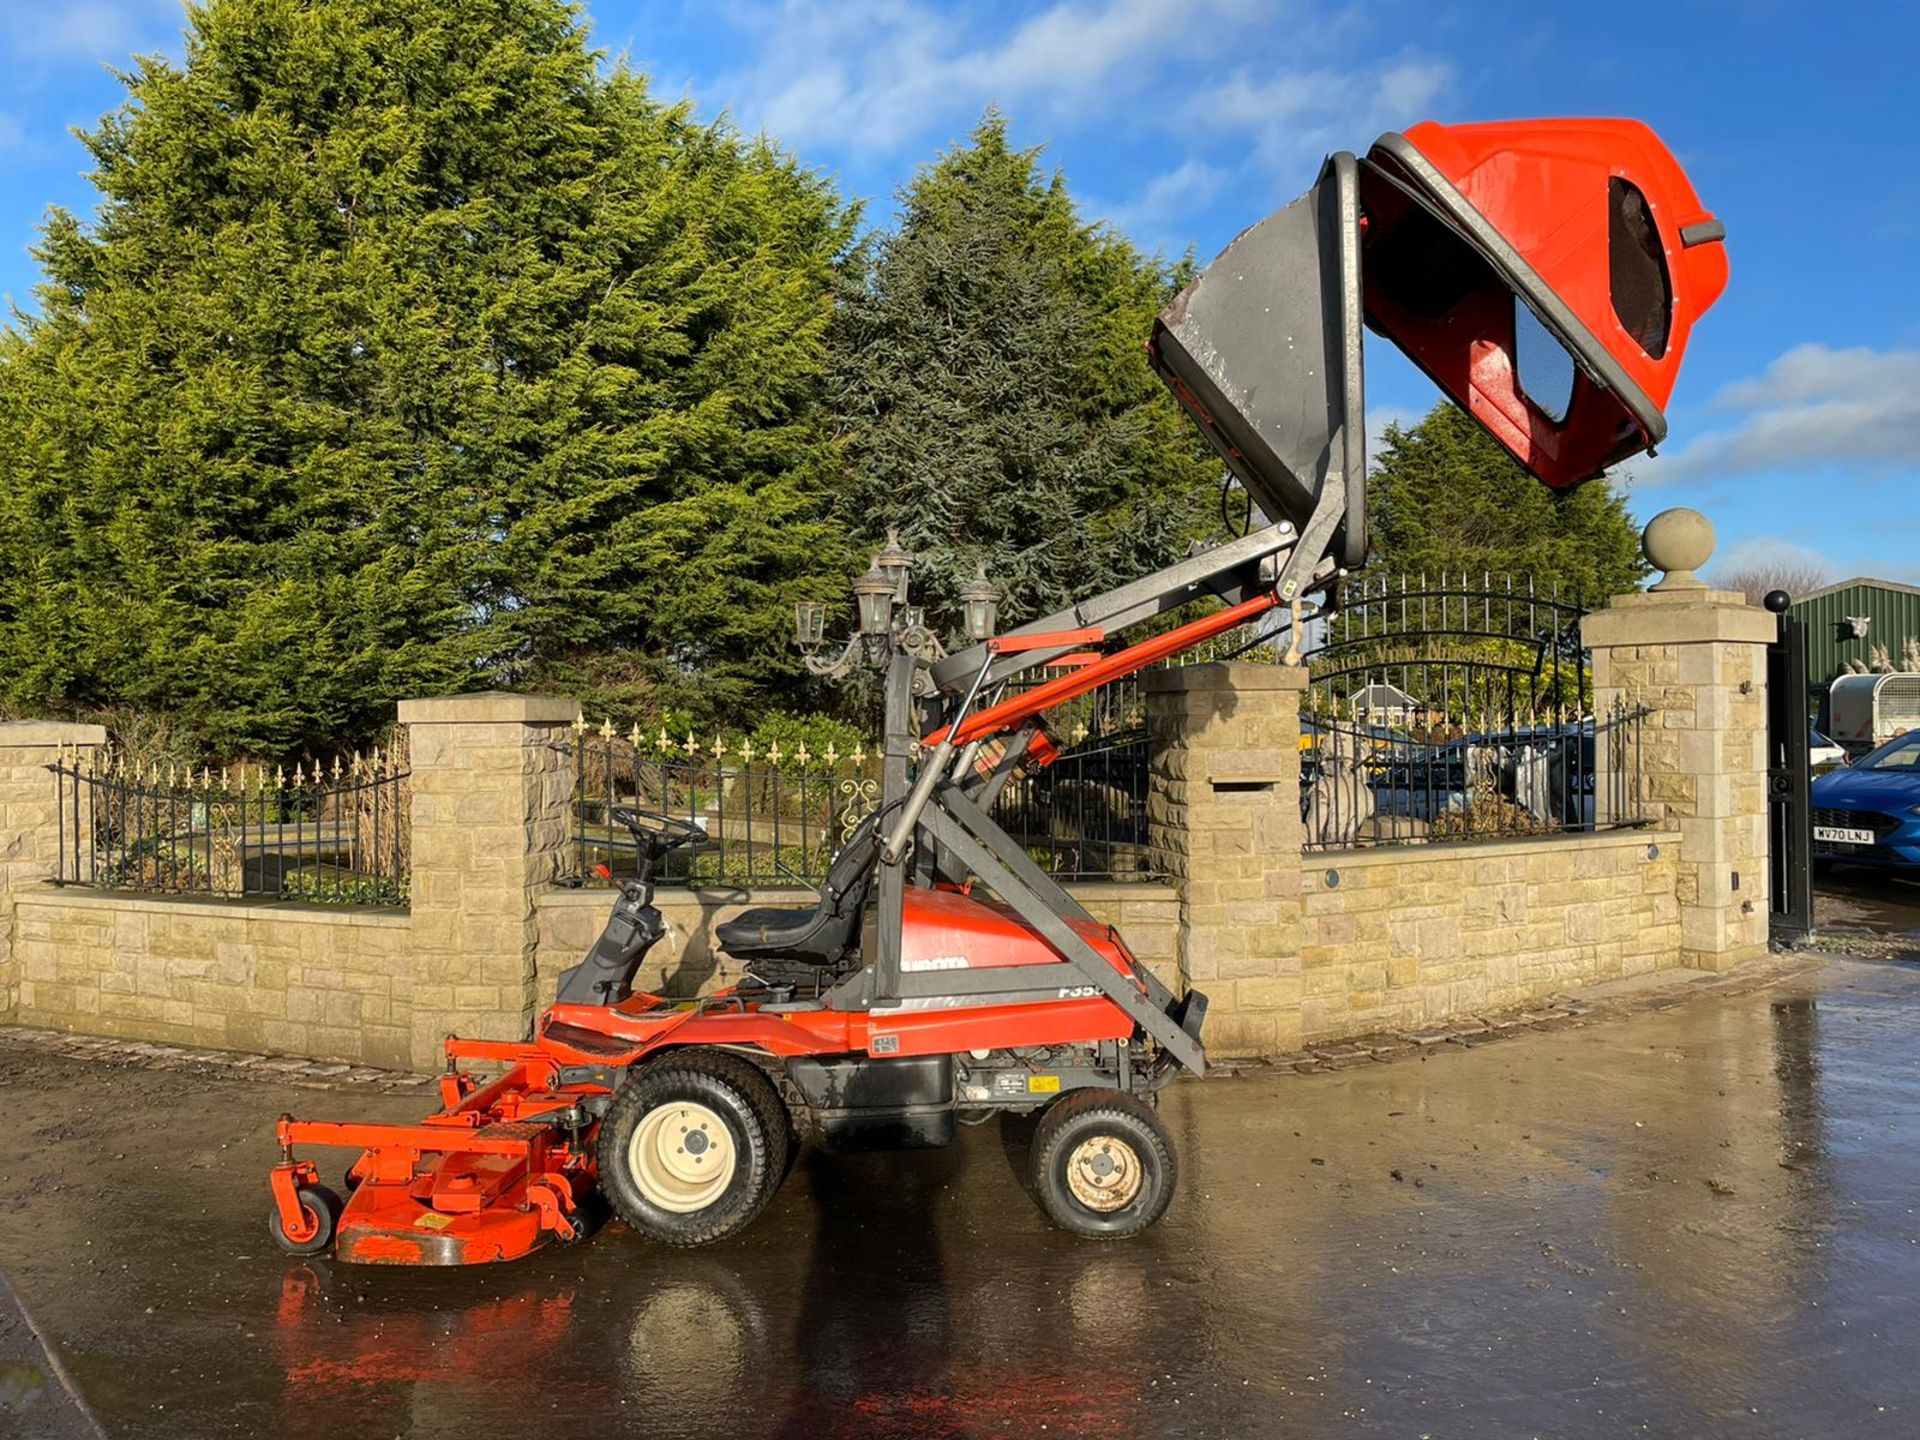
[(1696, 1221), (1852, 899)]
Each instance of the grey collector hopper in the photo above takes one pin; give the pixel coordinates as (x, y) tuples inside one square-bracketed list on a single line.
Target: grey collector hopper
[(1263, 351)]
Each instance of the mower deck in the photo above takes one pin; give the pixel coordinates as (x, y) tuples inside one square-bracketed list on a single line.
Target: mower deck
[(499, 1171)]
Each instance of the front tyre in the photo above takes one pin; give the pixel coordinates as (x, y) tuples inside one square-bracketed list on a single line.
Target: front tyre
[(1103, 1165), (693, 1147), (321, 1208)]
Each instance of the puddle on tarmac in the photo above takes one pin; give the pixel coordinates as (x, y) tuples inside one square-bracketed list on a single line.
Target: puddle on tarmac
[(23, 1387), (1868, 902)]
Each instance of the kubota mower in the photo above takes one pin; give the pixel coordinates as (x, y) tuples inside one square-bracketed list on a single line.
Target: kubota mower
[(1545, 274)]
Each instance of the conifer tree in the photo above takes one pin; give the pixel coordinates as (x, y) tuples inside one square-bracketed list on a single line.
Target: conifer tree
[(1444, 498), (992, 377), (410, 351)]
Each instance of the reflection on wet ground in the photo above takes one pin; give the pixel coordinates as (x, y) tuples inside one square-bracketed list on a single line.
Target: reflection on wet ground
[(1695, 1221), (1854, 899)]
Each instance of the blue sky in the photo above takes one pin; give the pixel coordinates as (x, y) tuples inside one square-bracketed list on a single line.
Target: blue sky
[(1796, 426)]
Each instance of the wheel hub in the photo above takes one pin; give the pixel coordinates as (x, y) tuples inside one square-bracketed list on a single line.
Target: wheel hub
[(682, 1156), (1104, 1173)]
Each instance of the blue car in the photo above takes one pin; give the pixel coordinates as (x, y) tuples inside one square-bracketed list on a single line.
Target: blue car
[(1869, 812)]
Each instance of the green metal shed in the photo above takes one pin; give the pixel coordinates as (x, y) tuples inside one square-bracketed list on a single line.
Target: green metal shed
[(1890, 610)]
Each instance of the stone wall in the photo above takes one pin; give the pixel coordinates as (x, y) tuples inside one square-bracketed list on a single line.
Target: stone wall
[(1697, 660), (337, 983), (1401, 937), (1297, 949), (328, 982), (30, 831)]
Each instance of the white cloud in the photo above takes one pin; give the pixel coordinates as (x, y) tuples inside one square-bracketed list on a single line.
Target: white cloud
[(1774, 555), (882, 76), (1812, 406), (877, 82), (1156, 216), (110, 31), (1768, 554), (1293, 118), (12, 132)]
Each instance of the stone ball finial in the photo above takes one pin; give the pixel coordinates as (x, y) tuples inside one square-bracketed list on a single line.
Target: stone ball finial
[(1678, 541)]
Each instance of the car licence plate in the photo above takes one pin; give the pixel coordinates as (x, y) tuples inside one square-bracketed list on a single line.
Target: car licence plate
[(1833, 834)]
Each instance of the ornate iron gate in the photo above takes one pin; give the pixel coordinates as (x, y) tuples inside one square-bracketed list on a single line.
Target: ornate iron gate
[(1458, 708), (1789, 781)]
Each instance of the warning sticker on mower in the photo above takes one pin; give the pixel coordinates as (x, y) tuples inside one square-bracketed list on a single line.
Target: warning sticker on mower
[(1043, 1084), (434, 1220)]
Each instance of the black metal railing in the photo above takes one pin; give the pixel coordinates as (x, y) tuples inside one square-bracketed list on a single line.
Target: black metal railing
[(330, 836), (1366, 784), (1084, 817), (775, 816), (1458, 709), (1409, 650)]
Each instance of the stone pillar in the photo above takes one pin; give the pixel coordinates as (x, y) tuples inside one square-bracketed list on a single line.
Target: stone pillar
[(1224, 820), (30, 822), (492, 778), (1697, 658)]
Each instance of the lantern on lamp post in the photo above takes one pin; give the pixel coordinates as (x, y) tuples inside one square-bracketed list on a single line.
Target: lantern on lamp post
[(895, 562), (980, 605), (874, 594), (809, 624)]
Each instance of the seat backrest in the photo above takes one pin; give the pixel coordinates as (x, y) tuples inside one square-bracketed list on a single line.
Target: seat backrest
[(848, 878)]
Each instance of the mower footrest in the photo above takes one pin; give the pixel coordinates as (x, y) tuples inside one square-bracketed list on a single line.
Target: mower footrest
[(1190, 1012)]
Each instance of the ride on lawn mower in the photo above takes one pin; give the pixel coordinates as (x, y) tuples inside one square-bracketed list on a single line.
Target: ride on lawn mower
[(1546, 275)]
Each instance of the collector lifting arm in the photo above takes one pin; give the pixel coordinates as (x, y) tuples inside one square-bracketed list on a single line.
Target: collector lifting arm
[(934, 768)]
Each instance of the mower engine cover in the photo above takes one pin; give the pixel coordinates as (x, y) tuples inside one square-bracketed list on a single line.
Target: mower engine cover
[(1572, 255)]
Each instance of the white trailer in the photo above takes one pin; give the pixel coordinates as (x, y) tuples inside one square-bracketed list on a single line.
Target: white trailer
[(1869, 710)]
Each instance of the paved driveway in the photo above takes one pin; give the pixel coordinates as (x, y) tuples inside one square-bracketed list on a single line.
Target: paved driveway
[(1700, 1220)]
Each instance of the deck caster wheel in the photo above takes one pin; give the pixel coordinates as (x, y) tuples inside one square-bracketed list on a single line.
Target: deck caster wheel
[(693, 1147), (1103, 1165), (319, 1205)]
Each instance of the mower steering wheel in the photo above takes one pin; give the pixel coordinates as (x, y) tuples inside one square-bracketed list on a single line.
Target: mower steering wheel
[(669, 830)]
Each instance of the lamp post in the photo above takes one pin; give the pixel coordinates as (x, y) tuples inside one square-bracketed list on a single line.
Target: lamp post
[(885, 619)]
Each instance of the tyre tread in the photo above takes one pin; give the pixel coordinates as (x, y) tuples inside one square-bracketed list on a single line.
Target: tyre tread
[(1088, 1104), (750, 1082)]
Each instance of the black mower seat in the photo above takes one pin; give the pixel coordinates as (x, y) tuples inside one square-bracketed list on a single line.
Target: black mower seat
[(819, 935)]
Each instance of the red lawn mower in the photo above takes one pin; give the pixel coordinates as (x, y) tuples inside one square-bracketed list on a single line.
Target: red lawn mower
[(1545, 274)]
